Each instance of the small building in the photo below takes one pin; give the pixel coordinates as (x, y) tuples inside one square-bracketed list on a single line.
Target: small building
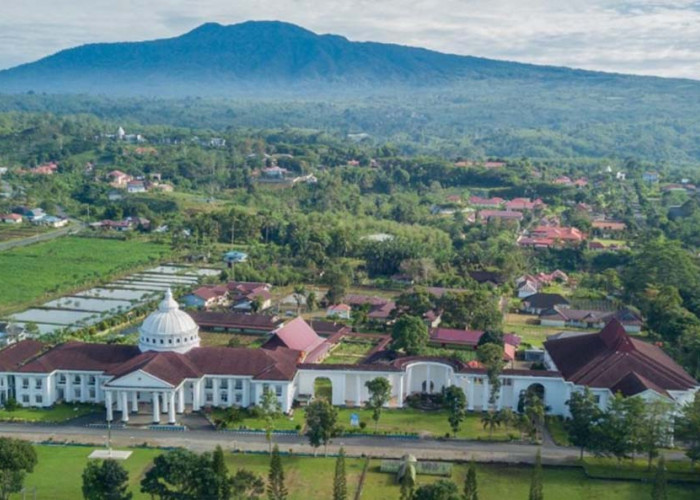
[(234, 257), (11, 218), (539, 302), (340, 311), (53, 221), (136, 187)]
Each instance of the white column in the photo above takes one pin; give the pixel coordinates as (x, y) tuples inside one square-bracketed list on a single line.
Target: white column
[(171, 407), (408, 381), (83, 388), (215, 384), (470, 394), (358, 388), (400, 402), (156, 407), (164, 407), (135, 402), (195, 396), (125, 406), (485, 388), (427, 380), (108, 405), (69, 388), (181, 400)]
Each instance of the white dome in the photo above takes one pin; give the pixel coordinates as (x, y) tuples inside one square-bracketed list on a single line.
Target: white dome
[(168, 328)]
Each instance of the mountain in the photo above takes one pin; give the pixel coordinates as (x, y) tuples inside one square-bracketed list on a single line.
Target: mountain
[(263, 58)]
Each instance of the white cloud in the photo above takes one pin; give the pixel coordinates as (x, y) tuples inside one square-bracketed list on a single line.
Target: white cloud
[(659, 37)]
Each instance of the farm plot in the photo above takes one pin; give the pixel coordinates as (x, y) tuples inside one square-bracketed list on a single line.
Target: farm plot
[(89, 304), (56, 316)]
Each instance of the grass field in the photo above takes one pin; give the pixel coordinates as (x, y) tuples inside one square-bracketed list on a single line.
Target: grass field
[(45, 269), (351, 351), (58, 477), (212, 339), (58, 413), (407, 420), (532, 333), (12, 232)]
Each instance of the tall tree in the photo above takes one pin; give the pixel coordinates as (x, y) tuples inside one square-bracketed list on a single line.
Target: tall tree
[(614, 434), (17, 458), (321, 419), (471, 490), (688, 428), (106, 480), (410, 334), (340, 484), (456, 403), (246, 485), (276, 489), (271, 409), (654, 428), (491, 356), (218, 463), (536, 492), (659, 491), (379, 394), (181, 474), (585, 413)]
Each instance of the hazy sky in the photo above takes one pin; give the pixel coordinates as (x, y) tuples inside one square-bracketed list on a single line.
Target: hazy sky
[(658, 37)]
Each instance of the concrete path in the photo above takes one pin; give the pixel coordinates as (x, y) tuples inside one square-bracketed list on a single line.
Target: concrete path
[(74, 228)]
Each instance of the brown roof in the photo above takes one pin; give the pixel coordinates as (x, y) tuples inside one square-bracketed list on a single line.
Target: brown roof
[(612, 359), (296, 335), (15, 355), (262, 364), (170, 367), (329, 327), (82, 357), (208, 319)]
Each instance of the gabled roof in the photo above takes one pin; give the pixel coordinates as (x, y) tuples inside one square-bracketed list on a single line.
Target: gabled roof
[(171, 367), (297, 335), (82, 357), (612, 359), (261, 364), (17, 354), (544, 300)]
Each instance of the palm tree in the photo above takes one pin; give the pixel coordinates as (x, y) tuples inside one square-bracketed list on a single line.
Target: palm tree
[(490, 420), (299, 297)]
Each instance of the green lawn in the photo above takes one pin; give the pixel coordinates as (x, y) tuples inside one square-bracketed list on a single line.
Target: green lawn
[(58, 477), (58, 413), (532, 333), (68, 263), (398, 421), (638, 469), (351, 351), (500, 482), (556, 428)]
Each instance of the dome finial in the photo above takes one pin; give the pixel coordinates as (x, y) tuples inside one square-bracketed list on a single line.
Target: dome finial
[(168, 303)]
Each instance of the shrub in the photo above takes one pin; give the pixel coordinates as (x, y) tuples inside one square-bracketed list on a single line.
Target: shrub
[(11, 404)]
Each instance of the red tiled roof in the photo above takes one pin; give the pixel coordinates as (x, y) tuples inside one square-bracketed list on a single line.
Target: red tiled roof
[(261, 364), (455, 336), (298, 335), (15, 355), (170, 367), (500, 214), (210, 319), (607, 360), (81, 357)]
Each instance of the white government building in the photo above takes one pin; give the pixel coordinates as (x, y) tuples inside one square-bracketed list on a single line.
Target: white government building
[(168, 373)]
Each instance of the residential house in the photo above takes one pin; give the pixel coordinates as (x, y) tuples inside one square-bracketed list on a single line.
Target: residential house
[(207, 296), (119, 179), (340, 311), (650, 177), (487, 215), (524, 204), (608, 226), (551, 236), (136, 186), (579, 318), (243, 295), (479, 202), (11, 218), (53, 221), (539, 302)]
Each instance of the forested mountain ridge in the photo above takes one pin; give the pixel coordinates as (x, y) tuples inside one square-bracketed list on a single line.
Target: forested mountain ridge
[(268, 57)]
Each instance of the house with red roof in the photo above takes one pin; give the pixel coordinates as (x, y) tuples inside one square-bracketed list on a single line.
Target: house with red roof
[(339, 311)]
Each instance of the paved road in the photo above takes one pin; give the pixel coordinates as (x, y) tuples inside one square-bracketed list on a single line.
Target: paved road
[(73, 228), (204, 440)]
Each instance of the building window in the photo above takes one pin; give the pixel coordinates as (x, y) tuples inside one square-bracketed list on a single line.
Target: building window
[(596, 399), (210, 398), (37, 383), (92, 393), (239, 385), (25, 398), (507, 382), (62, 378), (92, 380), (161, 341), (77, 393), (278, 391), (208, 383), (38, 399), (170, 341), (224, 397), (478, 381), (223, 384), (25, 383), (239, 398), (76, 379)]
